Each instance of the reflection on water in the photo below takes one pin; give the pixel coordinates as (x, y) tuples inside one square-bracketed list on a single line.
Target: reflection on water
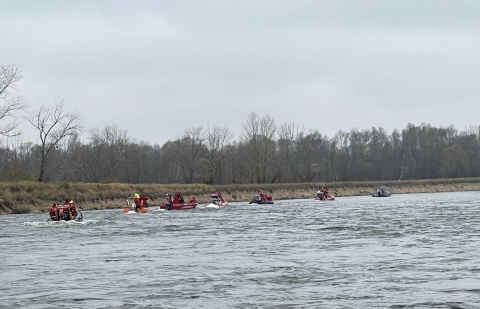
[(406, 251)]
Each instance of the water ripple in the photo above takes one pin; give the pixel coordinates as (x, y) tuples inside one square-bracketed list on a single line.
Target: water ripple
[(406, 251)]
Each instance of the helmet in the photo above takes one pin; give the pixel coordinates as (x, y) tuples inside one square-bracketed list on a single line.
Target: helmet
[(71, 202)]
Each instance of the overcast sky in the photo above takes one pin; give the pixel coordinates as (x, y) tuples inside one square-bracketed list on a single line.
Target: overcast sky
[(157, 68)]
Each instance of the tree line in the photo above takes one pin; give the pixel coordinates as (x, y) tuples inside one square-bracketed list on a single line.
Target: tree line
[(265, 152)]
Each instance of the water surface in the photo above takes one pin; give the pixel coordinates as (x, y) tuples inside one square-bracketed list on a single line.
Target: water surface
[(405, 251)]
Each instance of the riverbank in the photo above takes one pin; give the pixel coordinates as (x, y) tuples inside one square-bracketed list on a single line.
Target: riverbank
[(35, 197)]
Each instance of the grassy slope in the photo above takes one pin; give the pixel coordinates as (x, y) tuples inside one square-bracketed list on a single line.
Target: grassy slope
[(22, 197)]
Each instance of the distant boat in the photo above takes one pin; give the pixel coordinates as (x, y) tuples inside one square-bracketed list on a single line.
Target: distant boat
[(323, 195), (216, 201), (382, 191), (262, 198), (329, 197), (177, 203), (65, 212), (135, 205)]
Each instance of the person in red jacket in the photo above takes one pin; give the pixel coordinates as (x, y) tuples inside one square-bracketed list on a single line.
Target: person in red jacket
[(325, 192), (176, 198), (54, 212)]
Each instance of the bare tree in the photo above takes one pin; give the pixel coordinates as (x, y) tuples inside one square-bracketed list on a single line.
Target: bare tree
[(190, 152), (258, 134), (454, 161), (53, 125), (289, 138), (10, 103), (108, 152), (217, 139)]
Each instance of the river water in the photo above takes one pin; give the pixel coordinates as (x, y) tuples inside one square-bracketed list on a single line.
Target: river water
[(406, 251)]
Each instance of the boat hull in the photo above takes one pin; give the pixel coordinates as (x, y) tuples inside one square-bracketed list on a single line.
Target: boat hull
[(261, 202), (382, 191), (328, 198), (139, 210), (214, 205), (65, 213), (183, 206), (78, 219)]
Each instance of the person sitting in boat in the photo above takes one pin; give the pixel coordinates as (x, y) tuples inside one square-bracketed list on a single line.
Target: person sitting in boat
[(325, 192), (220, 197), (136, 201), (262, 195), (53, 212), (193, 200), (168, 201), (269, 197), (319, 194), (143, 201), (176, 198)]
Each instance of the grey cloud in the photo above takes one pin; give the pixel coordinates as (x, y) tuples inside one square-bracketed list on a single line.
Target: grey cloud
[(326, 65)]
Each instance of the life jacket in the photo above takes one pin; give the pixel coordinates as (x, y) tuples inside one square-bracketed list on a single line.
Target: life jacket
[(73, 208), (143, 201), (54, 213)]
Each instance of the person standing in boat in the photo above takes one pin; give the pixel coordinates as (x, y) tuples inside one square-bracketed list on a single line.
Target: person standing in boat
[(72, 208)]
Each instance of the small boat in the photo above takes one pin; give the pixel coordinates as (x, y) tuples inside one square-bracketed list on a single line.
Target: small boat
[(216, 201), (323, 195), (262, 198), (382, 191), (329, 197), (177, 203), (65, 212), (137, 204)]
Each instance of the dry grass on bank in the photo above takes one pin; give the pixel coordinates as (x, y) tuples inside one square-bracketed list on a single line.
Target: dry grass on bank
[(31, 196)]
